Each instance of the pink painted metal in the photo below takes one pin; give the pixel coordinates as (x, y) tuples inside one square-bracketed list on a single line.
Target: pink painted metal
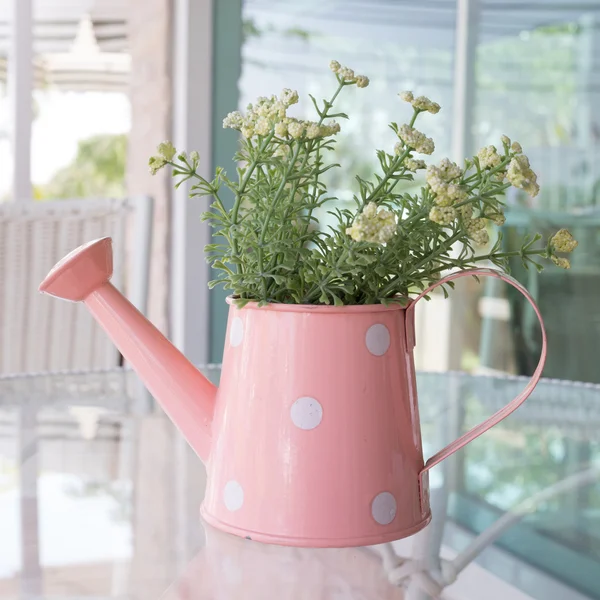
[(313, 438)]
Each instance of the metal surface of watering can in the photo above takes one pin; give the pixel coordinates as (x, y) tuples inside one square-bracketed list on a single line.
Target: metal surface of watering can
[(313, 437)]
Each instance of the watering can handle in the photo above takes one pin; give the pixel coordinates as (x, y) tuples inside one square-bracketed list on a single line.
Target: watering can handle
[(464, 439)]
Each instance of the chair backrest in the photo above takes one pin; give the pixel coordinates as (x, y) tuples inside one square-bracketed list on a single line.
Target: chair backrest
[(38, 333)]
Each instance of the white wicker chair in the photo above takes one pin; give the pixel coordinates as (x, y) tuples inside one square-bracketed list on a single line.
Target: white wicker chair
[(37, 334)]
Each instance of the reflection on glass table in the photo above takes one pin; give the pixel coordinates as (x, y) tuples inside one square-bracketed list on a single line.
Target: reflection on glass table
[(99, 498)]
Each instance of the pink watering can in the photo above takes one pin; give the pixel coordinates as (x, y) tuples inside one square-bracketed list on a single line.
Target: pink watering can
[(313, 437)]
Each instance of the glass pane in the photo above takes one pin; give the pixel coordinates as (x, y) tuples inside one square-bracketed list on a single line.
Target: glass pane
[(545, 457), (538, 83), (397, 46)]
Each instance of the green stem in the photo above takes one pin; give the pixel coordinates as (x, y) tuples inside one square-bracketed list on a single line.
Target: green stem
[(309, 149), (539, 252), (317, 286), (392, 169), (247, 175), (493, 171), (465, 263), (265, 226), (431, 257), (311, 146), (238, 195)]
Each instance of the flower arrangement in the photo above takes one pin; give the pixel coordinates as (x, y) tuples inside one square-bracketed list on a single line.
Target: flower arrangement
[(271, 249)]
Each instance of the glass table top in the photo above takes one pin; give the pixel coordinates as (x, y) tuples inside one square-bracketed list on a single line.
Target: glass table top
[(99, 498)]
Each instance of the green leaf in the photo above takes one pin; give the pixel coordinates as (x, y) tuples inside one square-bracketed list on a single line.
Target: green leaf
[(241, 302)]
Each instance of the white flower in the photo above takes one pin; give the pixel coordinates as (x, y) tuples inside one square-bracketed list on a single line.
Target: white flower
[(505, 140), (194, 156), (416, 139), (335, 66), (166, 150), (498, 219), (421, 103), (476, 225), (563, 241), (362, 81), (476, 229), (449, 170), (457, 192), (156, 163), (407, 96), (263, 110), (288, 97), (425, 104), (263, 127), (373, 225), (440, 179), (434, 179), (330, 128), (313, 131), (347, 74), (488, 157), (521, 176), (414, 165), (516, 148), (563, 263), (296, 129), (233, 120), (442, 215), (466, 212), (426, 147), (480, 237), (247, 130), (281, 129)]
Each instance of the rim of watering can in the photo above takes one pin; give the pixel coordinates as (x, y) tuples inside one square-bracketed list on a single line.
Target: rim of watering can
[(321, 308)]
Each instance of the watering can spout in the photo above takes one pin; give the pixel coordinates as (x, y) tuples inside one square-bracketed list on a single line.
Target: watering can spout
[(183, 392)]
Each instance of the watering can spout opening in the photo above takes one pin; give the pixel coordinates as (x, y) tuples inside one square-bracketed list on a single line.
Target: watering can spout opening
[(184, 393), (81, 272)]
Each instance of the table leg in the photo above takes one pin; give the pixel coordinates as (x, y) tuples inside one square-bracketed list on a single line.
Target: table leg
[(31, 573)]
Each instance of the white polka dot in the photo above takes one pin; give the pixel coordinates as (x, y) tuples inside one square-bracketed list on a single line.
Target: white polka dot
[(306, 413), (233, 495), (236, 333), (383, 508), (378, 339)]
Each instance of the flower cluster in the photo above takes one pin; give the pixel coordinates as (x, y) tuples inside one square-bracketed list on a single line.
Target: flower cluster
[(155, 164), (559, 261), (442, 215), (413, 165), (372, 225), (443, 182), (270, 115), (520, 175), (347, 75), (488, 157), (451, 188), (420, 103), (415, 139), (476, 231), (166, 152), (270, 247), (562, 241)]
